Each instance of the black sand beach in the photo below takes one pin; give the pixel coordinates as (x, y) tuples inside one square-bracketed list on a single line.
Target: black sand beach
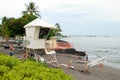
[(95, 73), (78, 73)]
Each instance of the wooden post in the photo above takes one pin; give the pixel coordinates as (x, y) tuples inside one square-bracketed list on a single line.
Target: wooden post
[(26, 53)]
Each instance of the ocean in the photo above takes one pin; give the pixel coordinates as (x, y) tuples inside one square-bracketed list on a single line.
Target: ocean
[(95, 46)]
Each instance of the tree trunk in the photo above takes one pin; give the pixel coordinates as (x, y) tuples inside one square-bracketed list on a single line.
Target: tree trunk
[(7, 39)]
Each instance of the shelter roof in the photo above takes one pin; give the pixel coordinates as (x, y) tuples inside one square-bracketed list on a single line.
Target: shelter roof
[(39, 23)]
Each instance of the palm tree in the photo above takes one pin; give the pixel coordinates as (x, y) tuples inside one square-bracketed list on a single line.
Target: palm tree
[(58, 30), (4, 29), (31, 8)]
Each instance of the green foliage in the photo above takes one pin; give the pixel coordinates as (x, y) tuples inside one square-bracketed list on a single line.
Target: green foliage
[(51, 33), (28, 17), (12, 27), (4, 69), (13, 69), (8, 61), (4, 27), (58, 30), (17, 25), (58, 27)]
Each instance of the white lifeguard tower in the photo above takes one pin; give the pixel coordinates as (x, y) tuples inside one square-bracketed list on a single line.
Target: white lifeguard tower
[(37, 32)]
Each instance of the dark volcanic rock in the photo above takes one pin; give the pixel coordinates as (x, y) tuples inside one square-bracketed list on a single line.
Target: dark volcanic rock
[(71, 51)]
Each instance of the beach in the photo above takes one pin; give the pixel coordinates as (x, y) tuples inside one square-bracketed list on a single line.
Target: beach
[(106, 73), (95, 73), (78, 73)]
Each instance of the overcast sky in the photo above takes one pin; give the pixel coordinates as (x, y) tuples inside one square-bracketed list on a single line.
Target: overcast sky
[(76, 17)]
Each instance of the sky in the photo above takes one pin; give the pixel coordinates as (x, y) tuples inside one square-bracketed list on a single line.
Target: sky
[(76, 17)]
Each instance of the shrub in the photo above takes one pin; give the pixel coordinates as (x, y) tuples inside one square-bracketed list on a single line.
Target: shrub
[(8, 61), (13, 69)]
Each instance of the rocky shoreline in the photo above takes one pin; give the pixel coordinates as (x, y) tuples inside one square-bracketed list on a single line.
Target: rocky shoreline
[(18, 49)]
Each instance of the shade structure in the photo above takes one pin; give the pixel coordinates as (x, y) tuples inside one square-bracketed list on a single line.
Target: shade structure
[(40, 23), (36, 33)]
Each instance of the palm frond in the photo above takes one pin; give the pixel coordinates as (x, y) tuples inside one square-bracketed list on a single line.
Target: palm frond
[(31, 8)]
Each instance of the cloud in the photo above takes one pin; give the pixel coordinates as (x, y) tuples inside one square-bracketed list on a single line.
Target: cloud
[(80, 14), (104, 10), (87, 9)]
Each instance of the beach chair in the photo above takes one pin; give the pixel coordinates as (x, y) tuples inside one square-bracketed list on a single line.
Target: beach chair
[(98, 61), (54, 59)]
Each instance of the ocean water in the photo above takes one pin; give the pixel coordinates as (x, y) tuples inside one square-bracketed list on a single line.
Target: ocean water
[(99, 46)]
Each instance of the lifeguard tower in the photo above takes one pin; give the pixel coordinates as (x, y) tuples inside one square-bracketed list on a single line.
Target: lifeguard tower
[(37, 32)]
